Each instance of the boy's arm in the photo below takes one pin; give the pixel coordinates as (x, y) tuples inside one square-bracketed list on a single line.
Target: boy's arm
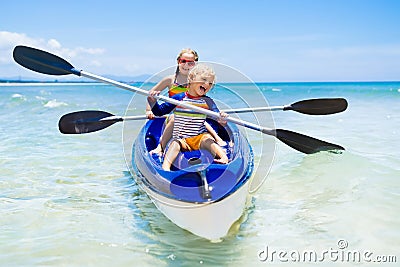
[(212, 106)]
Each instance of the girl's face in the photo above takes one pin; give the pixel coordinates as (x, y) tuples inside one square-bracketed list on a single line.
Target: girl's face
[(186, 63)]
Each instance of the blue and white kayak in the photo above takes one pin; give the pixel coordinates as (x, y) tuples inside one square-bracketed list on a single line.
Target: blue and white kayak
[(198, 195)]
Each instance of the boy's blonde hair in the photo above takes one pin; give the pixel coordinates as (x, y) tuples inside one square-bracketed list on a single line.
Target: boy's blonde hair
[(200, 71)]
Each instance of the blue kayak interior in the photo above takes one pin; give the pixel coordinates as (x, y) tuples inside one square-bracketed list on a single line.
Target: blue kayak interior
[(194, 177)]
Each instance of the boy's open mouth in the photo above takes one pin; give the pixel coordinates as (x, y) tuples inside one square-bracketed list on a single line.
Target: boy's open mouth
[(203, 89)]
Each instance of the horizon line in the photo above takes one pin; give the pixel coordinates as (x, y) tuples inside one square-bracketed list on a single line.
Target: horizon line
[(5, 81)]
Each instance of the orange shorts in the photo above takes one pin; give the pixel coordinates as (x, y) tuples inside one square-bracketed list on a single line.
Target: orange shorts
[(192, 143)]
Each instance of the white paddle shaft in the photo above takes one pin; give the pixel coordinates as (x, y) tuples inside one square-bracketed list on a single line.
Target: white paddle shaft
[(207, 112)]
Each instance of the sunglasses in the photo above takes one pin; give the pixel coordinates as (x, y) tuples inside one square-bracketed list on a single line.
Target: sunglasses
[(189, 62)]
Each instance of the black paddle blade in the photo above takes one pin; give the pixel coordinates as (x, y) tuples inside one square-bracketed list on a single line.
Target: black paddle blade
[(304, 143), (87, 121), (42, 61), (321, 106)]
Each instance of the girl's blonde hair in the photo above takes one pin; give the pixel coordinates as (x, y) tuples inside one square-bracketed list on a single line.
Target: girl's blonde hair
[(201, 70)]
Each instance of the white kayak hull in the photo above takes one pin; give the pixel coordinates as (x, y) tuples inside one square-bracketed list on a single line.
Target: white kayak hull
[(211, 221), (205, 198)]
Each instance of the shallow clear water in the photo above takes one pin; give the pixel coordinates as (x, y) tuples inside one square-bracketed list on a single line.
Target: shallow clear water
[(69, 200)]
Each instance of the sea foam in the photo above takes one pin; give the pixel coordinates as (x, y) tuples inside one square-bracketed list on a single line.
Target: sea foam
[(54, 104)]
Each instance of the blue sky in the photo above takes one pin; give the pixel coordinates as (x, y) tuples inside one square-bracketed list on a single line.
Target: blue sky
[(286, 40)]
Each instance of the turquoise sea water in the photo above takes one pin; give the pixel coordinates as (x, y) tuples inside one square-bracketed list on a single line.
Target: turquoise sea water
[(69, 200)]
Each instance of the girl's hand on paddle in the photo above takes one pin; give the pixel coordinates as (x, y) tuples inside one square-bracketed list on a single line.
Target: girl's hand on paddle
[(222, 118), (150, 115), (151, 98)]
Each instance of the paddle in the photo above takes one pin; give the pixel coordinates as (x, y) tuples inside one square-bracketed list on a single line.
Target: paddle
[(319, 106), (90, 120), (86, 121), (46, 63)]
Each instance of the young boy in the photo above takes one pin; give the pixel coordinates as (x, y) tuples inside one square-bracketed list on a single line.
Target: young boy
[(189, 132)]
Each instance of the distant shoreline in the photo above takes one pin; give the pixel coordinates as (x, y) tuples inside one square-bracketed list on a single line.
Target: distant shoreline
[(47, 83), (35, 82), (56, 81), (38, 81)]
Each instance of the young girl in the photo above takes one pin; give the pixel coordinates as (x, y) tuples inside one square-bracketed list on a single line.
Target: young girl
[(176, 83), (189, 131)]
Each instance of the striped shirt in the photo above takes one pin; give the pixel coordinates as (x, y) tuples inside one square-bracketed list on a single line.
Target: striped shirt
[(188, 123)]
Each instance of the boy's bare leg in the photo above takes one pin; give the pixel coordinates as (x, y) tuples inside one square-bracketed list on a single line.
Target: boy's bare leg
[(220, 153), (217, 151), (214, 134)]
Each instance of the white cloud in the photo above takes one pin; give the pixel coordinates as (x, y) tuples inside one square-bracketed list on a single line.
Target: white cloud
[(53, 43), (95, 63), (8, 40), (11, 39)]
